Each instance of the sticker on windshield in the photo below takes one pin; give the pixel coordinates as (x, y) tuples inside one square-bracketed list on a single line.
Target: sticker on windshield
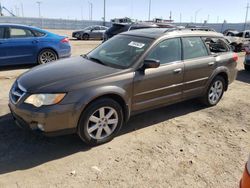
[(136, 44)]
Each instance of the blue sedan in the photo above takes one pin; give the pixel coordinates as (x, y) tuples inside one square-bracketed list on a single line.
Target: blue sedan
[(21, 44)]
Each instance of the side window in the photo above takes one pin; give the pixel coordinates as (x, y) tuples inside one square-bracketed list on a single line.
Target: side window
[(96, 28), (216, 45), (247, 35), (1, 32), (167, 51), (38, 33), (20, 33), (194, 47)]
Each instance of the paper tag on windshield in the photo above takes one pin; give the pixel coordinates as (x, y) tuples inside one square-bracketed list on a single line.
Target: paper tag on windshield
[(136, 44)]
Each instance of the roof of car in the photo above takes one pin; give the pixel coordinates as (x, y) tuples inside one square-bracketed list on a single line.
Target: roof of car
[(155, 33), (18, 25)]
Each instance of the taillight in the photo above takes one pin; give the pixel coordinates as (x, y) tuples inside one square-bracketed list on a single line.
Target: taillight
[(235, 57), (65, 40)]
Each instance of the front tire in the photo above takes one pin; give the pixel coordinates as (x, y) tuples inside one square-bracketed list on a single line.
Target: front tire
[(46, 56), (215, 91), (100, 122), (247, 67)]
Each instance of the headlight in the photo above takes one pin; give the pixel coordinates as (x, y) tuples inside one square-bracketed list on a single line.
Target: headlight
[(39, 100)]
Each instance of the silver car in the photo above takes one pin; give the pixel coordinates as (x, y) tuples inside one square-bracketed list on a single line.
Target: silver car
[(91, 32)]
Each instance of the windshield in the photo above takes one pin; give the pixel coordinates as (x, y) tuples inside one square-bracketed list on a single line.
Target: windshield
[(121, 51)]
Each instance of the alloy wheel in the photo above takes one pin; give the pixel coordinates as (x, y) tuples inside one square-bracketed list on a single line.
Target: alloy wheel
[(47, 56), (215, 92), (102, 123)]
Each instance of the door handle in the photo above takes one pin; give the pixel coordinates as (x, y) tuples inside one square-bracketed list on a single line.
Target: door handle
[(211, 63), (177, 70), (35, 41)]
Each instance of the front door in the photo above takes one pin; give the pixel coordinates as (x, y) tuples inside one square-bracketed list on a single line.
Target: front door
[(162, 85), (3, 51)]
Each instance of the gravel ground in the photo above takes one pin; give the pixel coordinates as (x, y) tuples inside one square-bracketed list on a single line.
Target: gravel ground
[(183, 145)]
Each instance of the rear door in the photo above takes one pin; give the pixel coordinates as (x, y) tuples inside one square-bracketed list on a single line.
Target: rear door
[(21, 46), (199, 66), (95, 33), (162, 85)]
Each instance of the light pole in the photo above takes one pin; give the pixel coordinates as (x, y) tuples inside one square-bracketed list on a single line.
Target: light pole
[(195, 15), (39, 8), (149, 10), (90, 10), (245, 25), (104, 13)]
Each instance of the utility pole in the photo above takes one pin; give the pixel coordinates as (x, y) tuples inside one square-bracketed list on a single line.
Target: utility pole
[(39, 8), (195, 16), (22, 9), (208, 16), (90, 10), (180, 17), (218, 18), (104, 12), (1, 12), (149, 11), (245, 25)]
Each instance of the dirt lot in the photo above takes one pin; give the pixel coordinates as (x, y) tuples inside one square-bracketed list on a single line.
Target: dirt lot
[(183, 145)]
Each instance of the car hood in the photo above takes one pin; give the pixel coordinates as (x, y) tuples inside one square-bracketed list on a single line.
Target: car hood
[(64, 75)]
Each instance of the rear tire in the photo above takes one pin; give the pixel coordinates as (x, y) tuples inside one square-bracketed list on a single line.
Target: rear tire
[(247, 67), (100, 122), (85, 37), (46, 56), (215, 91)]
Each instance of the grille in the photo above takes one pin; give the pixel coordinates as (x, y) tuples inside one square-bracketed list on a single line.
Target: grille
[(17, 92)]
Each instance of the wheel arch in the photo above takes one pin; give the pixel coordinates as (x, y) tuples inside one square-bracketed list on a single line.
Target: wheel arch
[(118, 97), (223, 72)]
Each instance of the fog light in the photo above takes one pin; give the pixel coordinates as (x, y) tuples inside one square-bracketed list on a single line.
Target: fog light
[(40, 126)]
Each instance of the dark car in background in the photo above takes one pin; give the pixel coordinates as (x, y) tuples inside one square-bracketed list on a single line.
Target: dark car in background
[(91, 32), (93, 95), (123, 27), (20, 44)]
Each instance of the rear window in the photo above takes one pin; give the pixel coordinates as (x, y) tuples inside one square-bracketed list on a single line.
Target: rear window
[(216, 45), (1, 32), (116, 29), (194, 47), (38, 33)]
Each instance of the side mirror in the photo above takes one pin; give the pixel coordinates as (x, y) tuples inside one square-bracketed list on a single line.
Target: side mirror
[(151, 63)]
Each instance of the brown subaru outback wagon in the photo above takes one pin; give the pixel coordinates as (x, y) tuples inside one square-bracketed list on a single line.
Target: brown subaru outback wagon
[(93, 95)]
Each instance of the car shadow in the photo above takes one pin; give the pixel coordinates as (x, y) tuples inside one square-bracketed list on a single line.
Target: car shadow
[(15, 67), (22, 149), (243, 76)]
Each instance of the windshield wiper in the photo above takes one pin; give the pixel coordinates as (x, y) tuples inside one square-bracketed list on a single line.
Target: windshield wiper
[(97, 60)]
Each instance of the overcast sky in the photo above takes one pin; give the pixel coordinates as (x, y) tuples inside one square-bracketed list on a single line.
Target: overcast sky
[(232, 11)]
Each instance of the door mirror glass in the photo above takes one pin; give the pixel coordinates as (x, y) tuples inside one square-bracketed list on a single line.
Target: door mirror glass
[(151, 63)]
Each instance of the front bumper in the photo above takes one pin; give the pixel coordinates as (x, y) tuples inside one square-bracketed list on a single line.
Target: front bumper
[(245, 181), (51, 120)]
